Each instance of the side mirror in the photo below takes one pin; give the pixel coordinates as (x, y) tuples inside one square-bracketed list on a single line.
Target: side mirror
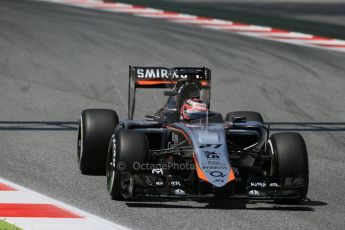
[(151, 117), (238, 119), (170, 93)]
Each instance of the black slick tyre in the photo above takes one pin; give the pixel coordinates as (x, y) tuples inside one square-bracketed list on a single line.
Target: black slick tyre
[(96, 127), (127, 150), (291, 160)]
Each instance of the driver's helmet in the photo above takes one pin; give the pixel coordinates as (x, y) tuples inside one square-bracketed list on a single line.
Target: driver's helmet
[(193, 109)]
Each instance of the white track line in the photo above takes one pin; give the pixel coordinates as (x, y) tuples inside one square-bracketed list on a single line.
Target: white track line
[(26, 196), (57, 224), (19, 197)]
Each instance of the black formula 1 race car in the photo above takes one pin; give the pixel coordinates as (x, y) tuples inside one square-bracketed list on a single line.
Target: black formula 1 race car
[(167, 155)]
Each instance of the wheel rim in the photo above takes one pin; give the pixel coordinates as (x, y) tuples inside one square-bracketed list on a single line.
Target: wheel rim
[(111, 165), (80, 140), (273, 167)]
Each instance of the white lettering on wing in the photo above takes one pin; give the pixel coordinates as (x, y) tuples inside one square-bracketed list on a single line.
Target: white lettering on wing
[(140, 73), (150, 73)]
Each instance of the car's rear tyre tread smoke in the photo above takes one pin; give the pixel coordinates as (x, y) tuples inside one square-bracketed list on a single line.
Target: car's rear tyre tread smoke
[(96, 127), (290, 160)]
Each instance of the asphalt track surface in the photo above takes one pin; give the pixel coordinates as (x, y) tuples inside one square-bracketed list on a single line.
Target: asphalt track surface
[(57, 60), (326, 18)]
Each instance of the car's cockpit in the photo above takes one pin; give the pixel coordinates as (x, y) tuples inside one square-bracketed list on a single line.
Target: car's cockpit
[(182, 91)]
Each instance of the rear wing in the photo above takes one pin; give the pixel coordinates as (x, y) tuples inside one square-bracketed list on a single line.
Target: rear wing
[(162, 77)]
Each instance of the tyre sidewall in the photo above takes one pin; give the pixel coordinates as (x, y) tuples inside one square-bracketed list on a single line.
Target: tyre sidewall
[(290, 157)]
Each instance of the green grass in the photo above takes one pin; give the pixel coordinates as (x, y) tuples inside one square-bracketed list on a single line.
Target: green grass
[(6, 226)]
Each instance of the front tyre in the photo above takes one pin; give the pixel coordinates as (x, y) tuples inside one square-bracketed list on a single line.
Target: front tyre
[(128, 150), (291, 161)]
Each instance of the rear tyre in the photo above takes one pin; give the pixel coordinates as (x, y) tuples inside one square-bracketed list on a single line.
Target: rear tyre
[(249, 115), (96, 127), (290, 160), (127, 150)]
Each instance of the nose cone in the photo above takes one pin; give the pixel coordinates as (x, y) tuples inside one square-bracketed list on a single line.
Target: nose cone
[(212, 157), (210, 153), (207, 138)]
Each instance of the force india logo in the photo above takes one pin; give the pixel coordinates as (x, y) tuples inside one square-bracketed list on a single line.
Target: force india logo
[(159, 74)]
